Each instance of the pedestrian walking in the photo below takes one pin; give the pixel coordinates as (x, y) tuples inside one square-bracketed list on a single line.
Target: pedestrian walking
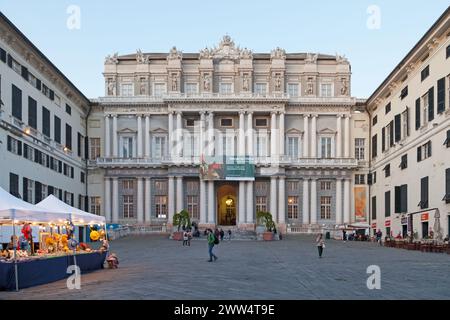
[(212, 240), (320, 244), (344, 235), (222, 234), (217, 233), (185, 238), (229, 234), (189, 234)]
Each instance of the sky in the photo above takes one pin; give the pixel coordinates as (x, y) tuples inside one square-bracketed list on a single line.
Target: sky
[(77, 35)]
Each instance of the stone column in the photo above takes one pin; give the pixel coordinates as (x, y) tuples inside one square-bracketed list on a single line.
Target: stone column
[(338, 136), (273, 197), (305, 201), (273, 137), (241, 134), (107, 138), (201, 145), (140, 200), (347, 137), (347, 201), (250, 133), (115, 142), (115, 200), (210, 146), (250, 202), (179, 135), (147, 136), (171, 136), (281, 133), (314, 136), (139, 136), (203, 208), (148, 201), (314, 201), (180, 197), (107, 205), (282, 200), (211, 203), (305, 153), (171, 199), (241, 202), (338, 201)]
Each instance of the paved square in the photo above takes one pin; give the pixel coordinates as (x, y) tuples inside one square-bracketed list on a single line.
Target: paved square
[(153, 267)]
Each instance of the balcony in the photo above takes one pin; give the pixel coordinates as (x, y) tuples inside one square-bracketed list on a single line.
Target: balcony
[(337, 163), (144, 162)]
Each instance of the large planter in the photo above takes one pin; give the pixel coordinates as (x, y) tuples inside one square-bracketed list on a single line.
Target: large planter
[(177, 236), (268, 236)]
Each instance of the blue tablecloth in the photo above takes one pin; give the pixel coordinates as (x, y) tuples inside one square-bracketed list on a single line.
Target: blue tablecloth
[(40, 271)]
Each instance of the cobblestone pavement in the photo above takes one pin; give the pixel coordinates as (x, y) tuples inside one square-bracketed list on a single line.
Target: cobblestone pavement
[(153, 267)]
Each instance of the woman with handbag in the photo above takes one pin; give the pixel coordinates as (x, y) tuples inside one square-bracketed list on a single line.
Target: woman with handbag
[(320, 244)]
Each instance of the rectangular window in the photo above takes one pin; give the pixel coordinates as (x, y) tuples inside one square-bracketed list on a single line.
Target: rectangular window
[(159, 89), (292, 186), (16, 66), (447, 186), (360, 148), (68, 136), (325, 147), (293, 89), (374, 208), (94, 144), (68, 109), (57, 129), (226, 122), (161, 207), (30, 191), (325, 185), (405, 123), (260, 88), (161, 186), (261, 204), (387, 204), (32, 113), (95, 205), (225, 88), (14, 146), (425, 101), (404, 93), (128, 184), (387, 109), (326, 90), (325, 208), (398, 128), (425, 73), (160, 147), (424, 151), (360, 179), (292, 207), (46, 122), (82, 177), (14, 185), (128, 207), (192, 207), (127, 147), (293, 144), (404, 162), (261, 122), (126, 89), (387, 170), (191, 88), (374, 120), (423, 204), (261, 146), (16, 102)]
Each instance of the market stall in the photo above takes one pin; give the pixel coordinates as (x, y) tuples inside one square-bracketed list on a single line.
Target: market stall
[(21, 266)]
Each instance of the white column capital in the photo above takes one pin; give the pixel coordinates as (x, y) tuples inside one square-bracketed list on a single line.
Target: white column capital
[(306, 115)]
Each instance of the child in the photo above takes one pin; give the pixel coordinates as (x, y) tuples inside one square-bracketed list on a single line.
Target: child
[(113, 261), (185, 238)]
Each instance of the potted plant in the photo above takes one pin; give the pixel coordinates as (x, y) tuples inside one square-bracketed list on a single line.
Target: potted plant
[(265, 218), (182, 221)]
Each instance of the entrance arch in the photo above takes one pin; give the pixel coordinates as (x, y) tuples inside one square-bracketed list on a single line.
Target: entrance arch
[(227, 205)]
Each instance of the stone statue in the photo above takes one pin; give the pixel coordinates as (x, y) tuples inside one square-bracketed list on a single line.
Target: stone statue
[(278, 53), (174, 54), (277, 82), (310, 87), (344, 87), (111, 87), (246, 54), (142, 85), (205, 53), (206, 82), (114, 59), (245, 83), (341, 59), (140, 58), (311, 58), (174, 82)]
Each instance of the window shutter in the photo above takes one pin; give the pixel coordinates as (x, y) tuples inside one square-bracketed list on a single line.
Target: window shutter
[(419, 154), (38, 84), (429, 148), (431, 104), (25, 189), (25, 73), (387, 204), (25, 150), (407, 121), (48, 160), (16, 101), (397, 205), (19, 148), (52, 95), (398, 130), (9, 143), (38, 192), (86, 147), (59, 166), (71, 199), (441, 95), (374, 146), (391, 132), (79, 144), (417, 113), (57, 129), (383, 139), (71, 172), (424, 193), (36, 155), (447, 183), (60, 194), (369, 179), (404, 198), (374, 208), (3, 55), (9, 61)]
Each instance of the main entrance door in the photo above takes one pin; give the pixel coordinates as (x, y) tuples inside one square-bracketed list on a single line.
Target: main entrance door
[(226, 204)]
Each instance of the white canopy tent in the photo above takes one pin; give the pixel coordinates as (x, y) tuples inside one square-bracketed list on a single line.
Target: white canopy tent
[(77, 216)]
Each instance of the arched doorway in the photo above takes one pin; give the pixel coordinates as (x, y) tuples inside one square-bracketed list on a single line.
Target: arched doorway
[(227, 205)]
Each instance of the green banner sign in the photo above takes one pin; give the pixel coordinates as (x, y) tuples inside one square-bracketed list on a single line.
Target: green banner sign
[(227, 168)]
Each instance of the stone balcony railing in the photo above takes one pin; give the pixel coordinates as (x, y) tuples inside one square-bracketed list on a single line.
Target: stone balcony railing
[(284, 161)]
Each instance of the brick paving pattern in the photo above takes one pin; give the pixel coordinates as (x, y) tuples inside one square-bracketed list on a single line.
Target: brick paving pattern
[(153, 267)]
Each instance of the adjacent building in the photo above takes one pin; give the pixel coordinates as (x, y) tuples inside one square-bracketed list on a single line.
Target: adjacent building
[(410, 140)]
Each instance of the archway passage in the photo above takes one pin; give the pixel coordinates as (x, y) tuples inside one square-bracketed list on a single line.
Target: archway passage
[(227, 205)]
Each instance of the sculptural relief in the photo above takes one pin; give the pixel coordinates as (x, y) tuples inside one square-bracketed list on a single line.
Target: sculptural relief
[(311, 58), (278, 53), (174, 54), (206, 82), (310, 87), (344, 86), (111, 85), (245, 83), (114, 59)]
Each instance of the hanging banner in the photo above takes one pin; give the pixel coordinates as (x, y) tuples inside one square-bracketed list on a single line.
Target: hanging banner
[(227, 168), (360, 203)]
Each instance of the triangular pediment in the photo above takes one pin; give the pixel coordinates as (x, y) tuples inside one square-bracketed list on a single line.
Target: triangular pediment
[(327, 131), (294, 131), (159, 130), (127, 130)]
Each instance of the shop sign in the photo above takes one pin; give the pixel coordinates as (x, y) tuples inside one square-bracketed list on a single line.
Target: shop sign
[(404, 220), (374, 225), (387, 223), (424, 216)]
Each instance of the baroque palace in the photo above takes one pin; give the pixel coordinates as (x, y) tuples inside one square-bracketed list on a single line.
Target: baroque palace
[(226, 132)]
